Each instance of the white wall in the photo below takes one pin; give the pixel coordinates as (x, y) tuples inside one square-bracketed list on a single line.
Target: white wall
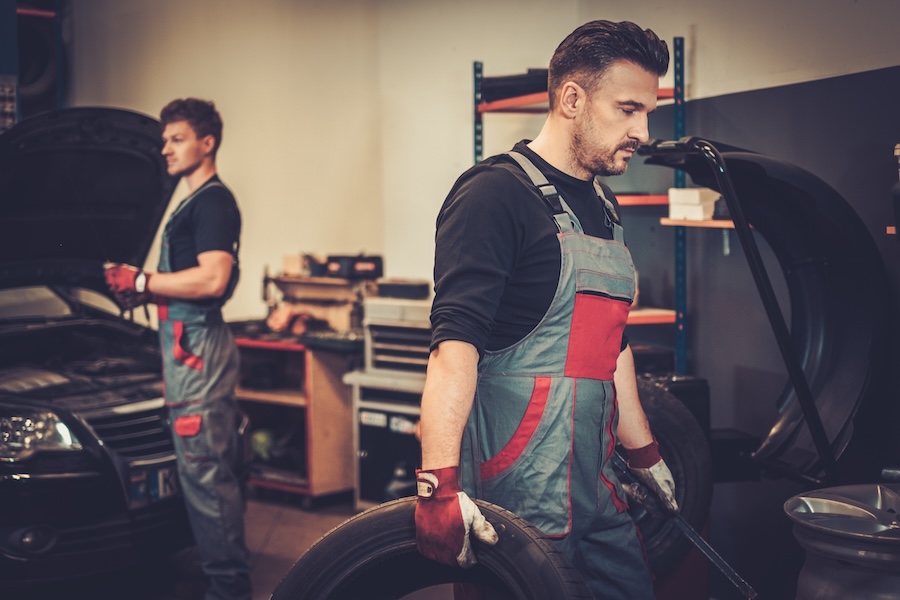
[(296, 83), (346, 122)]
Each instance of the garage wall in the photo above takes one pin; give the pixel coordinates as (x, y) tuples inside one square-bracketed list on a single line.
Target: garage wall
[(346, 122), (297, 85), (427, 49)]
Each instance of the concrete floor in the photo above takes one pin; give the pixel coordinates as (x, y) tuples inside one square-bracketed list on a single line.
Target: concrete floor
[(278, 532)]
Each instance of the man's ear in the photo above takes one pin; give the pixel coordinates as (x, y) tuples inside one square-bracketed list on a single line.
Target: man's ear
[(571, 99), (209, 143)]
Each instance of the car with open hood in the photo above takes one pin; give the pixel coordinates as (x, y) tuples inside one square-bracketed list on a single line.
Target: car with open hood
[(88, 480)]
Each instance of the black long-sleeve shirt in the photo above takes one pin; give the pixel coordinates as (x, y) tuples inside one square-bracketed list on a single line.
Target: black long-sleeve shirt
[(497, 256)]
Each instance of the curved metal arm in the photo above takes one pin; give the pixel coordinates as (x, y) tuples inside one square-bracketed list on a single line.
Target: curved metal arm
[(770, 303)]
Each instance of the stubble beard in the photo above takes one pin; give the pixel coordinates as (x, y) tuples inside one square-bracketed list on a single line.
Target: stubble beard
[(599, 161), (180, 170)]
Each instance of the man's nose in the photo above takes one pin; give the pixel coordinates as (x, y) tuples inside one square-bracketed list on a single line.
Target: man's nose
[(641, 129)]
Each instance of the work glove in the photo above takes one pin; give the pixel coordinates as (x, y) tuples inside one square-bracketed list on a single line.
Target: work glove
[(125, 278), (445, 516), (128, 284), (647, 465), (130, 300)]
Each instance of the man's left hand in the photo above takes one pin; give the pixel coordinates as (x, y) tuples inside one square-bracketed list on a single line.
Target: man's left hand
[(647, 465)]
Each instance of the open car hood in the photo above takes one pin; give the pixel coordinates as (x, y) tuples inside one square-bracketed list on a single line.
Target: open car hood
[(79, 187), (837, 285)]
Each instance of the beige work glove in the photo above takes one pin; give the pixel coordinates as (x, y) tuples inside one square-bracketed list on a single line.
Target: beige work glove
[(647, 465)]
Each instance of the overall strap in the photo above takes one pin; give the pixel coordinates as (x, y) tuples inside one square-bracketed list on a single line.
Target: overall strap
[(612, 217), (193, 195), (548, 191)]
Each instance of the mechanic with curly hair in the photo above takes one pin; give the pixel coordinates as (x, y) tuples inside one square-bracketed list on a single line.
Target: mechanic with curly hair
[(197, 273)]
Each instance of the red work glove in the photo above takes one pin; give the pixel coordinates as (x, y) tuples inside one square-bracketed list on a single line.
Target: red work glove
[(128, 284), (125, 278), (445, 516), (129, 300), (647, 465)]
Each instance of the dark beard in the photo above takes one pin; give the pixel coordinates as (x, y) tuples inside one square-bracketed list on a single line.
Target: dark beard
[(603, 166)]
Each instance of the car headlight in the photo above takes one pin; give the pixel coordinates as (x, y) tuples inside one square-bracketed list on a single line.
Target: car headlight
[(24, 432)]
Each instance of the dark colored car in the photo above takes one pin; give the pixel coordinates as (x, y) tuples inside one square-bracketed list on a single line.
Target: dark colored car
[(87, 467)]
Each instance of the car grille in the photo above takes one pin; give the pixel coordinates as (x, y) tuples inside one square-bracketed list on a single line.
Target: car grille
[(141, 528), (133, 431)]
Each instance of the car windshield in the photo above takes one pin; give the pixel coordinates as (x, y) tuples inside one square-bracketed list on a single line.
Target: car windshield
[(42, 302)]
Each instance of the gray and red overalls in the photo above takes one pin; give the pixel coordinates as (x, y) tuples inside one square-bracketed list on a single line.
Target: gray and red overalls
[(542, 428), (200, 371)]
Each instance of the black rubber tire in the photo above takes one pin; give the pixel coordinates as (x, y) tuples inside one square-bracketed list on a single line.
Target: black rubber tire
[(373, 556), (683, 446)]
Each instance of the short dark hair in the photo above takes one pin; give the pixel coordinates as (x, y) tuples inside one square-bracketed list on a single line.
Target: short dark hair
[(586, 54), (201, 115)]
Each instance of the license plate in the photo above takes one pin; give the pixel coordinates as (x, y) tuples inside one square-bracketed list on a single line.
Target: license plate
[(152, 484)]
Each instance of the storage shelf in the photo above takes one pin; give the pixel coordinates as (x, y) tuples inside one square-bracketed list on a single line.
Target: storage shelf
[(287, 397), (283, 381), (530, 103), (710, 223), (642, 199), (539, 102), (651, 316), (279, 479)]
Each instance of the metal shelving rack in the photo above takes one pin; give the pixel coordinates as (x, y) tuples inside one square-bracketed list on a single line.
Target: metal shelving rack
[(537, 103), (681, 350)]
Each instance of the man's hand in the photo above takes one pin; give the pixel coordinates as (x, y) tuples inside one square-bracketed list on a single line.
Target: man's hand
[(445, 516), (647, 465), (124, 278), (130, 300)]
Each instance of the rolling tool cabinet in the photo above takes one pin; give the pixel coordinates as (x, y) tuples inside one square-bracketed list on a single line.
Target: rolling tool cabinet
[(300, 413)]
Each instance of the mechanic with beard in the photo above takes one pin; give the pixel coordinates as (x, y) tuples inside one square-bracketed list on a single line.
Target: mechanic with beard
[(197, 273), (530, 381)]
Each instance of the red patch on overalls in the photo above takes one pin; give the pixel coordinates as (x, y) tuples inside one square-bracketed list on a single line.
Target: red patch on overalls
[(595, 336), (181, 355), (188, 425)]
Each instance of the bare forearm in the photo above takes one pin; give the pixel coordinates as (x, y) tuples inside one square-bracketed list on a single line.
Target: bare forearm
[(446, 402), (634, 430)]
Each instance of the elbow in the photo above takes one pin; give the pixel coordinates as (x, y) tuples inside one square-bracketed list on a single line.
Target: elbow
[(217, 288), (216, 284)]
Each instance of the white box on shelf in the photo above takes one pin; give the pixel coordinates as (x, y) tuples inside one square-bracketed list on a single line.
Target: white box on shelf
[(694, 204), (690, 212)]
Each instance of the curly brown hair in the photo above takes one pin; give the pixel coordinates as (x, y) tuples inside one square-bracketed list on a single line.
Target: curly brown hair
[(201, 115)]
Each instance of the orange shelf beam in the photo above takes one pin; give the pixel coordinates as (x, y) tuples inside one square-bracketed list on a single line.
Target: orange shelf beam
[(539, 102), (642, 199), (651, 316), (711, 223)]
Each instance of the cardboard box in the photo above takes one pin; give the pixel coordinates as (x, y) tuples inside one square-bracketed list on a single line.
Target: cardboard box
[(689, 212), (694, 204)]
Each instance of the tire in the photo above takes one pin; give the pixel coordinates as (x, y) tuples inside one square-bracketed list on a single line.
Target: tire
[(683, 446), (373, 556)]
